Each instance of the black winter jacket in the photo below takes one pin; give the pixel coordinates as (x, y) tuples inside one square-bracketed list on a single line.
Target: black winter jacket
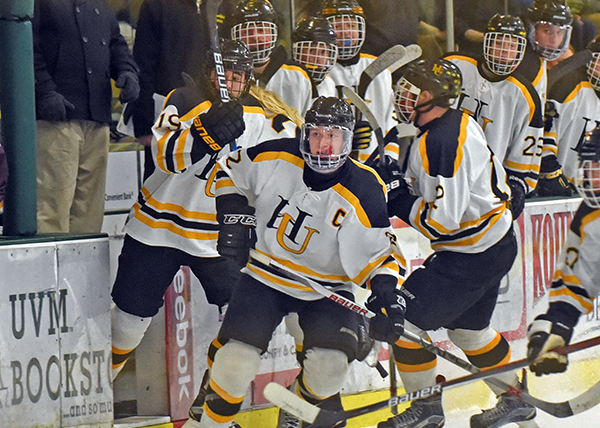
[(78, 48)]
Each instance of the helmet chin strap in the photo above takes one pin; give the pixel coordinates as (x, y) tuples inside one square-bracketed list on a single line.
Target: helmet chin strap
[(419, 109)]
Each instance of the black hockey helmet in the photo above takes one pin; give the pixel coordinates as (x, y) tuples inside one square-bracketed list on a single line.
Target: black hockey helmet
[(504, 43), (440, 77), (555, 20), (314, 46), (588, 174), (252, 17), (326, 140), (237, 58), (593, 67), (341, 13)]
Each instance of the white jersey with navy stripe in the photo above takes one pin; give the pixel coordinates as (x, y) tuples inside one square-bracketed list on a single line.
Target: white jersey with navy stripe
[(176, 205), (461, 186), (576, 279), (339, 235), (510, 113)]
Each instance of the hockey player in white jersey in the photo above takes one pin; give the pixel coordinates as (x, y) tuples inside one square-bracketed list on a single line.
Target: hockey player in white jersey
[(314, 47), (454, 192), (347, 19), (505, 104), (573, 109), (173, 221), (254, 22), (548, 25), (307, 203), (576, 280)]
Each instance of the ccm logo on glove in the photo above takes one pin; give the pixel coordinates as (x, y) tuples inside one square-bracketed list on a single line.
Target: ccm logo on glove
[(243, 219)]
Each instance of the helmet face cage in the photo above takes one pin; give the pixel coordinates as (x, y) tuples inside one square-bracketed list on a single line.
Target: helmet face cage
[(350, 31), (405, 99), (325, 148), (239, 75), (587, 180), (593, 70), (317, 57), (549, 40), (259, 36), (503, 52)]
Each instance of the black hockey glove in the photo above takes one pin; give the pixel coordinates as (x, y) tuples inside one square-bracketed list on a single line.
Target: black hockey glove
[(362, 135), (237, 225), (389, 307), (548, 332), (392, 175), (519, 191), (219, 126), (129, 83), (552, 181), (53, 107)]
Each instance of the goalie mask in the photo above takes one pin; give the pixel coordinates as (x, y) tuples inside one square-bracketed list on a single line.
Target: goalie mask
[(593, 67), (237, 64), (313, 46), (326, 138), (504, 43), (549, 28), (347, 19), (439, 77), (588, 173), (254, 22)]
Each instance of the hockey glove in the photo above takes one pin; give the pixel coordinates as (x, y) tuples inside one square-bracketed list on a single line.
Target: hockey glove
[(550, 331), (552, 181), (219, 126), (237, 225), (389, 308), (129, 84), (517, 200), (393, 177), (53, 107), (362, 135)]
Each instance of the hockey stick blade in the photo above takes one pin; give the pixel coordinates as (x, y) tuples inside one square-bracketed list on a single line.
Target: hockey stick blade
[(362, 106), (412, 52), (211, 11), (383, 62)]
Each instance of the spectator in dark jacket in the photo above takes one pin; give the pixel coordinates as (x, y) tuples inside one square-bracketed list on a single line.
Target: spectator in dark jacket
[(170, 38), (77, 50)]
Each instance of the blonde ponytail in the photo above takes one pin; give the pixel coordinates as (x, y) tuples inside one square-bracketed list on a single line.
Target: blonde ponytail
[(274, 106)]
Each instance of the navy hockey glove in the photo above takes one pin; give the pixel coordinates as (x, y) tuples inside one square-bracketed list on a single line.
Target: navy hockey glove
[(552, 181), (53, 107), (129, 83), (362, 135), (237, 225), (517, 200), (392, 175), (547, 332), (389, 307), (219, 126)]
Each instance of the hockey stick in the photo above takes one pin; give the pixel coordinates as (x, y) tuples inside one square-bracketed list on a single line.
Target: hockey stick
[(381, 63), (567, 66), (211, 10), (576, 405), (392, 59), (362, 106), (393, 378), (295, 405)]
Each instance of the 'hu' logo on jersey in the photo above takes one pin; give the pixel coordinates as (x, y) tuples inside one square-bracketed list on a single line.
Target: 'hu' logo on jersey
[(475, 113), (292, 235)]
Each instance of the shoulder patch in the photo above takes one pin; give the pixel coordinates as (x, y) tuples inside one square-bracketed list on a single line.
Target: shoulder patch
[(185, 99), (580, 220), (569, 85), (278, 148), (533, 99)]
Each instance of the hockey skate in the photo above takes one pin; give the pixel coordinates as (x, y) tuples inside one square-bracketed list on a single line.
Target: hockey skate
[(196, 408), (425, 413), (287, 420), (509, 409)]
